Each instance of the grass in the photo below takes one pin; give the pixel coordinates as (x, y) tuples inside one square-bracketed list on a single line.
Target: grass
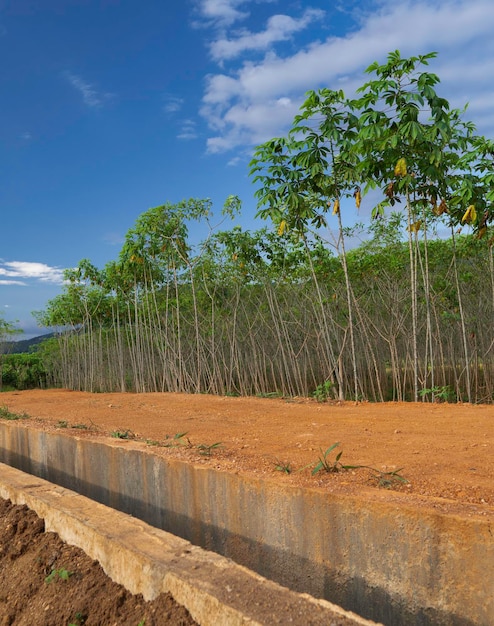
[(331, 466), (66, 424), (206, 450), (5, 414), (283, 466), (179, 439), (388, 479), (122, 434), (385, 479)]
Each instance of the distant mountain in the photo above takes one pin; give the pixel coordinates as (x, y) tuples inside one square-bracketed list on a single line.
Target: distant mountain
[(24, 345)]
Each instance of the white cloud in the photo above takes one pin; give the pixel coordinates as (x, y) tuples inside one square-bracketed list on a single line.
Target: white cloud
[(172, 104), (188, 130), (279, 28), (12, 282), (91, 97), (24, 269), (245, 106), (222, 12)]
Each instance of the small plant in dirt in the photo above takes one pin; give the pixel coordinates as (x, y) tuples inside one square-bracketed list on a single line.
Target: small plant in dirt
[(62, 424), (79, 619), (122, 434), (5, 414), (153, 442), (323, 392), (206, 449), (61, 574), (283, 466), (179, 439), (439, 394), (331, 465), (82, 426), (388, 479)]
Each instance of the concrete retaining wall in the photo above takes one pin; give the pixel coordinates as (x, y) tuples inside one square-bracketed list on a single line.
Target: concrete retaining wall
[(215, 590), (389, 563)]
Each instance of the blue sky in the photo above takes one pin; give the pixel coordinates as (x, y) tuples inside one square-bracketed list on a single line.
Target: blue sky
[(111, 107)]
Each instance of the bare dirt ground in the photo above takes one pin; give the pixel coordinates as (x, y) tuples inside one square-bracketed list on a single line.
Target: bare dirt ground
[(444, 451), (47, 582)]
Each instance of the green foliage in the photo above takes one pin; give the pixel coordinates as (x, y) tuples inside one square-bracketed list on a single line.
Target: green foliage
[(331, 465), (281, 309), (439, 393), (7, 331), (23, 371), (5, 414), (207, 449), (386, 479), (389, 479), (80, 619), (58, 574), (324, 391), (283, 466), (122, 434), (178, 439)]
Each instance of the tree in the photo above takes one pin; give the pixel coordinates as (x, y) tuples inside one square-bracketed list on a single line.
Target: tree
[(398, 135), (306, 175), (7, 332)]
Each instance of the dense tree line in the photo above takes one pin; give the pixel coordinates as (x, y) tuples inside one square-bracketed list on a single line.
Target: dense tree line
[(292, 308)]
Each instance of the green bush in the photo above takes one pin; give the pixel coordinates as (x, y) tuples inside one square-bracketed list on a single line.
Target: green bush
[(22, 371)]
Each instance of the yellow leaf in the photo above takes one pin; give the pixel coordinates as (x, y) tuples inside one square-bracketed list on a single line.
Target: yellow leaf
[(401, 167), (470, 215), (415, 227), (358, 198), (281, 227), (336, 207)]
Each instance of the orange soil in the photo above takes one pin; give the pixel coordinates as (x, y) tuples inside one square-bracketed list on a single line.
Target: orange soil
[(445, 451)]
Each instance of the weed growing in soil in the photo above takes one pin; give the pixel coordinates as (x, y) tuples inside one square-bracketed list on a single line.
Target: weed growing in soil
[(283, 466), (323, 392), (79, 618), (122, 434), (5, 414), (386, 479), (179, 439), (62, 574), (331, 466), (206, 450), (439, 394), (65, 424)]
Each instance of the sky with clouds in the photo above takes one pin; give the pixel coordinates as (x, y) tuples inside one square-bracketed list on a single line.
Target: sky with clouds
[(110, 107)]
